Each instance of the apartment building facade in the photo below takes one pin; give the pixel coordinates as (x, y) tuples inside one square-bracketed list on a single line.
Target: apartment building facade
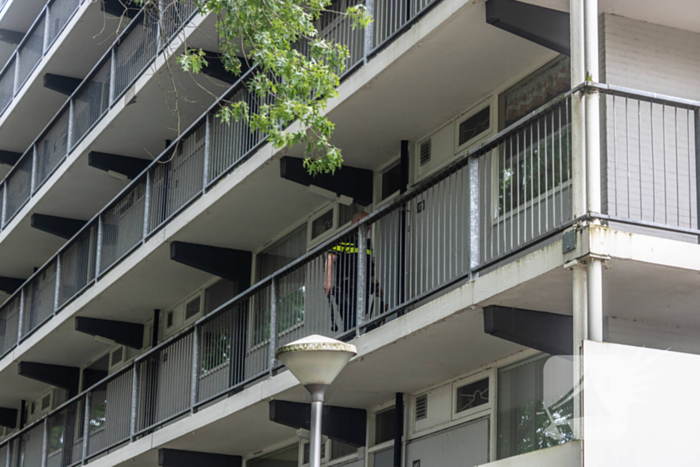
[(511, 244)]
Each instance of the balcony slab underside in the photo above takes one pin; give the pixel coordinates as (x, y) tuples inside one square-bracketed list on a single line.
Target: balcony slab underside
[(78, 191), (74, 53)]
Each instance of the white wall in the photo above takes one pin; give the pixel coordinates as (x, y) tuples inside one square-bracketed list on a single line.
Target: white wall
[(654, 335), (640, 407)]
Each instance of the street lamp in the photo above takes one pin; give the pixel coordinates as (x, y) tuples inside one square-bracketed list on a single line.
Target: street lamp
[(316, 361)]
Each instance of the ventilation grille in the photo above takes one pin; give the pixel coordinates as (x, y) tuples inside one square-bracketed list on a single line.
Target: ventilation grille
[(425, 152), (422, 407)]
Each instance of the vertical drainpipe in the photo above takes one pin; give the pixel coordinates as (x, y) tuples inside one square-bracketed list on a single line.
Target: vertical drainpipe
[(398, 429)]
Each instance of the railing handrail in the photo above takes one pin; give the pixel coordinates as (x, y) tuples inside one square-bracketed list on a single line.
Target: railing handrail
[(622, 91)]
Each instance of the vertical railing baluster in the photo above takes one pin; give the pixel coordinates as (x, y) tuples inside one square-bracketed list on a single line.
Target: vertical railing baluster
[(15, 83), (207, 151), (361, 289), (697, 166), (273, 322), (3, 215), (195, 369), (473, 229), (47, 29), (98, 254), (22, 306), (57, 284), (45, 442), (147, 205), (7, 453), (71, 126), (134, 402), (369, 30), (32, 178), (112, 74), (86, 428)]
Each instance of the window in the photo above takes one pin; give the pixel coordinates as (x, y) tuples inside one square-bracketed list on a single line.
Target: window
[(192, 308), (473, 126), (535, 405), (307, 452), (322, 224), (472, 395), (384, 426), (391, 181), (340, 450), (292, 290), (534, 91), (347, 213)]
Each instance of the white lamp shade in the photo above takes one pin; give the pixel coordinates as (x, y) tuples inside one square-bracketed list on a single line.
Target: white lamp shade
[(316, 359)]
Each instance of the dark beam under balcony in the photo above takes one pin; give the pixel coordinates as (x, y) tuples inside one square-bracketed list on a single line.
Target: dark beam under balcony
[(119, 8), (64, 377), (343, 424), (178, 458), (227, 263), (63, 227), (544, 26), (8, 417), (216, 69), (540, 330), (128, 334), (9, 285), (11, 37), (63, 84), (123, 166), (352, 182), (9, 157)]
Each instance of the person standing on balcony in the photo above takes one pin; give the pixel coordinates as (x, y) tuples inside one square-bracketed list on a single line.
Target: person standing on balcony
[(341, 278)]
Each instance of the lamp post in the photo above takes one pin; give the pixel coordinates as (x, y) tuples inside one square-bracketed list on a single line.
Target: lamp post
[(316, 361)]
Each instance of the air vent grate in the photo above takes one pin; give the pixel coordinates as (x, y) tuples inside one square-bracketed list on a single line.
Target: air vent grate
[(170, 319), (426, 149), (422, 407)]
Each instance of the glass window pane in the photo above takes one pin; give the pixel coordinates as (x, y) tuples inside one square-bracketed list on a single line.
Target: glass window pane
[(348, 212), (473, 395), (474, 125), (391, 181), (281, 253), (535, 407), (384, 426), (339, 450), (322, 224), (384, 458)]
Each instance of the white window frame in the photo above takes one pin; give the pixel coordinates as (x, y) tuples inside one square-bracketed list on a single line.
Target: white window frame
[(312, 242), (391, 164), (478, 411), (492, 103)]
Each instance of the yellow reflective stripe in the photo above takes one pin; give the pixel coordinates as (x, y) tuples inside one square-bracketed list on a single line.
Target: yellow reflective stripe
[(348, 248)]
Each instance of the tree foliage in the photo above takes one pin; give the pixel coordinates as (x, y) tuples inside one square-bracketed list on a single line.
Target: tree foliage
[(296, 72)]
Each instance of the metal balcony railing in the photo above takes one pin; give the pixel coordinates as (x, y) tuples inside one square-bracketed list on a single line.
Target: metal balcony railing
[(130, 55), (509, 192), (38, 40), (652, 150)]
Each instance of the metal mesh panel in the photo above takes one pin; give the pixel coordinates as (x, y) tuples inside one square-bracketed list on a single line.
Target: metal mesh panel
[(122, 225), (232, 141), (60, 12), (7, 85), (234, 345), (525, 188), (18, 186), (110, 413), (39, 298), (52, 148), (91, 102), (30, 447), (391, 15), (5, 447), (165, 382), (78, 264), (174, 14), (651, 161), (65, 435), (9, 324), (177, 181), (30, 52), (135, 51)]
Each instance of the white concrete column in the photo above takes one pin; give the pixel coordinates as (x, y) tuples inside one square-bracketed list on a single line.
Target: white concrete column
[(580, 311), (578, 128), (592, 116), (595, 300)]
